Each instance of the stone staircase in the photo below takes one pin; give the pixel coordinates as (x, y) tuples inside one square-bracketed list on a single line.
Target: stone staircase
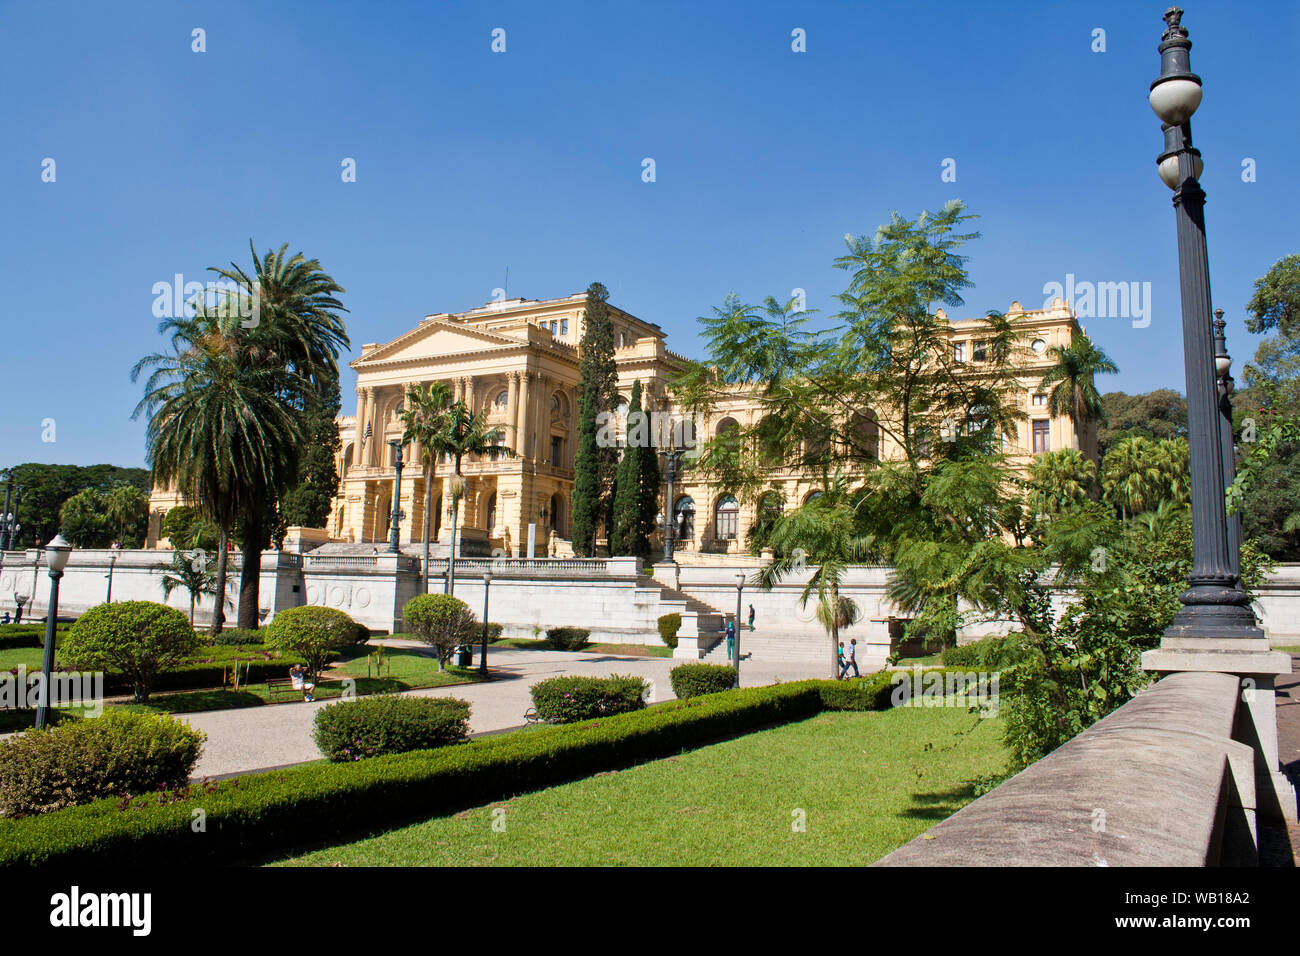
[(702, 625), (775, 648)]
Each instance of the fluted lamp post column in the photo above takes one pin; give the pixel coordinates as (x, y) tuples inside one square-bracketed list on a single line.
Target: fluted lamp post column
[(1215, 629), (57, 553), (395, 529)]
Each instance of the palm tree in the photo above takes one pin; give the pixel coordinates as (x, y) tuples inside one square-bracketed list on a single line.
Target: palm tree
[(218, 430), (124, 506), (1061, 479), (1131, 475), (1071, 379), (192, 572), (464, 433), (821, 533), (297, 333), (423, 418)]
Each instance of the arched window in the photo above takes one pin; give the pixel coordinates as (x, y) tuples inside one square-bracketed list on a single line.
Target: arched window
[(502, 399), (559, 407), (685, 512), (811, 496), (726, 518)]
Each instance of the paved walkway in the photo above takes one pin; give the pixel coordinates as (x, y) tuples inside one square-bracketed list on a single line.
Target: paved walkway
[(257, 738)]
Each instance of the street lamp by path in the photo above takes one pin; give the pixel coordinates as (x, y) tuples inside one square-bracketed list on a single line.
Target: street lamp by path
[(114, 550), (735, 644), (1214, 606), (395, 529), (482, 659), (9, 526), (56, 559), (673, 460)]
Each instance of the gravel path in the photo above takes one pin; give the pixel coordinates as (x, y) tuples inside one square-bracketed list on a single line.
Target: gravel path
[(258, 738)]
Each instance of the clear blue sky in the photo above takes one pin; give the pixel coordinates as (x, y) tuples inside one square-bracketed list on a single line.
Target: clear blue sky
[(469, 162)]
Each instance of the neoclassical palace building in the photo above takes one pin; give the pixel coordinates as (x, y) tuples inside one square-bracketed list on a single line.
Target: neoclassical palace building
[(517, 360)]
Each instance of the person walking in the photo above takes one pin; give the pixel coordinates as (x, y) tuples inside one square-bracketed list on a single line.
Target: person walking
[(751, 617), (852, 660), (731, 639), (844, 666)]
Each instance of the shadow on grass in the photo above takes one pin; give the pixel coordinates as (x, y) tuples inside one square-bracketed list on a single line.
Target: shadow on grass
[(941, 804)]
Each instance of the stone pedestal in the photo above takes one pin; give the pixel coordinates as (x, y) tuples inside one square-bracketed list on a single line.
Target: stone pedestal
[(1256, 666), (668, 574)]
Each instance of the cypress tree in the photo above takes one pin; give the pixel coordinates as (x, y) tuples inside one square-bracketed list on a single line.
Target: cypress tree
[(594, 466), (626, 533), (648, 488)]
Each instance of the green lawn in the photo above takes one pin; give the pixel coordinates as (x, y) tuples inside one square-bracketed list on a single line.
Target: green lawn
[(864, 782), (627, 650)]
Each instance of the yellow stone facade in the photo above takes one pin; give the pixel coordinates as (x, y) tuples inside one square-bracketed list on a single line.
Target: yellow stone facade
[(518, 360)]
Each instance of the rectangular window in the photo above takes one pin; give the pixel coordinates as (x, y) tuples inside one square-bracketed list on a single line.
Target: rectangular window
[(1040, 400), (959, 351), (1042, 432), (564, 326), (727, 524), (981, 351), (557, 449)]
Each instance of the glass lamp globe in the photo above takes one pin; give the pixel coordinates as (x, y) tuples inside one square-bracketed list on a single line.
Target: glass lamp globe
[(57, 552), (1175, 100), (1168, 169), (1222, 365)]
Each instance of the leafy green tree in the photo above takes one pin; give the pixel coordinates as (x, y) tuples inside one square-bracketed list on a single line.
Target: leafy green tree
[(126, 513), (648, 481), (307, 504), (41, 491), (185, 528), (1138, 473), (139, 639), (595, 466), (314, 633), (1157, 414), (441, 621), (1073, 390), (424, 418), (1276, 301), (82, 519)]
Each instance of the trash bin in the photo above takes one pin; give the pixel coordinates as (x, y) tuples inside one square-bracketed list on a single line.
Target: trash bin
[(465, 656)]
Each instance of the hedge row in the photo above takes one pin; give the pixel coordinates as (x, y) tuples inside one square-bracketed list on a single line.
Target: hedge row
[(278, 811)]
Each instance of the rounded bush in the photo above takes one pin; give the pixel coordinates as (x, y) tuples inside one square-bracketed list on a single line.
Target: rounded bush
[(568, 638), (562, 700), (694, 680), (236, 637), (669, 625), (442, 621), (312, 632), (83, 760), (989, 653), (389, 724), (138, 639)]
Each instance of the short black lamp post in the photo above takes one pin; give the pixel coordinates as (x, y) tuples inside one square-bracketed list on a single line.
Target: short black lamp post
[(482, 657), (735, 644), (395, 529), (1214, 606), (57, 553), (114, 550)]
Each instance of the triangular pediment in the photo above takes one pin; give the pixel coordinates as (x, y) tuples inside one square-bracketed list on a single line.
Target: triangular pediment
[(435, 338)]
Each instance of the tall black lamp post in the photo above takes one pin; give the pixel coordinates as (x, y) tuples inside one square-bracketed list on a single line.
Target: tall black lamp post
[(674, 457), (1227, 448), (56, 559), (1214, 606), (9, 526), (735, 644), (482, 658), (395, 528)]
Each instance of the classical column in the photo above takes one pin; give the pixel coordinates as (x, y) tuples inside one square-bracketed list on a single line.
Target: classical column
[(360, 429), (525, 424), (512, 411), (467, 389)]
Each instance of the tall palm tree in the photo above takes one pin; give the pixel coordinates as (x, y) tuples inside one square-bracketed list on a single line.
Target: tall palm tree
[(124, 506), (822, 534), (424, 416), (1073, 391), (465, 433), (192, 572), (217, 428), (296, 333)]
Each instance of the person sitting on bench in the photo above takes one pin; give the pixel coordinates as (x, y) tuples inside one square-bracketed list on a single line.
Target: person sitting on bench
[(298, 679)]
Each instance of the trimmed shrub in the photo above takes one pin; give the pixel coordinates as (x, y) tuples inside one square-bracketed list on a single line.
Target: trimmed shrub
[(441, 621), (563, 700), (568, 638), (694, 680), (83, 760), (669, 625), (265, 813), (235, 637), (138, 639), (389, 724), (494, 632), (871, 692), (311, 632)]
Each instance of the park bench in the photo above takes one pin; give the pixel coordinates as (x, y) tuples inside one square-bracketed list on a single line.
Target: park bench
[(280, 685)]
